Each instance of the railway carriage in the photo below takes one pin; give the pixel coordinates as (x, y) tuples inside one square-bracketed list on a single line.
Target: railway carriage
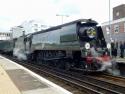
[(6, 46), (76, 45)]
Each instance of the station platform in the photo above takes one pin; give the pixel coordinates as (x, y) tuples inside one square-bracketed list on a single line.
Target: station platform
[(120, 60), (16, 79)]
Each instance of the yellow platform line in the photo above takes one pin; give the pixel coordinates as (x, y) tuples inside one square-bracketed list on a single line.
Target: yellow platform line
[(6, 84)]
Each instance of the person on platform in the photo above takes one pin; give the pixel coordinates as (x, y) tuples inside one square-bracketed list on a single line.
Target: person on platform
[(115, 49), (121, 50)]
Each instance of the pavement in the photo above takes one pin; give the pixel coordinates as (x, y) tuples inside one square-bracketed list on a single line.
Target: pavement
[(16, 79), (121, 60), (6, 84)]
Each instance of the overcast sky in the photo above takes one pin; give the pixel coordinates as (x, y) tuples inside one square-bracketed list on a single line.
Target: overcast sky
[(15, 12)]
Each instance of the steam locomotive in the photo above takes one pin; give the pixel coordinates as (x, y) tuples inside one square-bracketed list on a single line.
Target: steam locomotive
[(78, 45)]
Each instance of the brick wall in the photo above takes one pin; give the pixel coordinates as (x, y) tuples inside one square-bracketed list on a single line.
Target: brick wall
[(116, 36), (119, 12)]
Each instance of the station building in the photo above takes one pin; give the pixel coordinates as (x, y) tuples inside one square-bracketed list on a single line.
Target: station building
[(117, 25), (27, 27)]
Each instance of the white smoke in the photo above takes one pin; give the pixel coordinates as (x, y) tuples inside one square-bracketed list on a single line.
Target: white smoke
[(105, 66), (114, 69), (110, 67), (20, 54)]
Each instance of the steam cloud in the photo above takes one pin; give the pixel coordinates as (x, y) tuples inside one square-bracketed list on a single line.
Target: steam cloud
[(19, 53)]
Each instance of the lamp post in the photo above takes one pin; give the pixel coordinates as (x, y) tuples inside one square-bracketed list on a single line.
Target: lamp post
[(62, 16), (109, 21), (110, 29)]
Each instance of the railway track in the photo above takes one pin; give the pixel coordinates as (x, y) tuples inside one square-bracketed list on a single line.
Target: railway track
[(81, 84), (114, 79), (77, 87), (107, 83), (84, 83)]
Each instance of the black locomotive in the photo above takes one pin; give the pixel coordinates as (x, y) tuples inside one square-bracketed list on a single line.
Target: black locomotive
[(78, 45)]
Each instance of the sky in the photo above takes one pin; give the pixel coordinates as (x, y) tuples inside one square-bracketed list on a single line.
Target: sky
[(15, 12)]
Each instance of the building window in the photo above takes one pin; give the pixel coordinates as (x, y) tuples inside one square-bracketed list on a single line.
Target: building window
[(107, 28), (116, 28), (117, 13)]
